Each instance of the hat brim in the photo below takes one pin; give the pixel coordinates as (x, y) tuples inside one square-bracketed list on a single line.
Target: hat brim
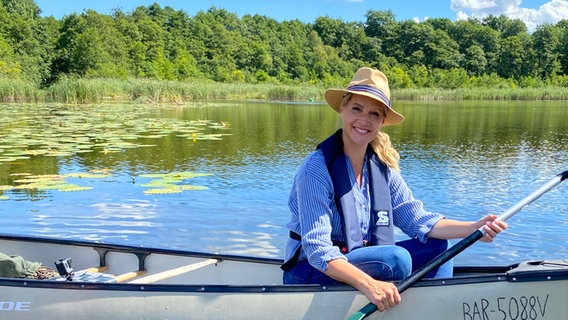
[(335, 96)]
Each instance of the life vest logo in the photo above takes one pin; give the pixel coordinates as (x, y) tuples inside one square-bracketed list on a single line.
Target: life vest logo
[(383, 218)]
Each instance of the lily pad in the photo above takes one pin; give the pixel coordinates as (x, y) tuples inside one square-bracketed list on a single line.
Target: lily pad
[(53, 181), (190, 187), (73, 188), (163, 191), (164, 183), (52, 131), (87, 175)]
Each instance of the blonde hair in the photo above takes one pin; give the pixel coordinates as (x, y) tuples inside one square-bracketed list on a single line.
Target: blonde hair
[(381, 144), (385, 151)]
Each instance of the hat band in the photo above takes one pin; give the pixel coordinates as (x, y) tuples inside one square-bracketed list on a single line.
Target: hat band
[(372, 90)]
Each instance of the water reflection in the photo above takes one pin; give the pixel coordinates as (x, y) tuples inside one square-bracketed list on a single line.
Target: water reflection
[(97, 222)]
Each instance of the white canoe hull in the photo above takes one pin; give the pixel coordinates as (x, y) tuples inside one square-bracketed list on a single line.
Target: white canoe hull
[(250, 288)]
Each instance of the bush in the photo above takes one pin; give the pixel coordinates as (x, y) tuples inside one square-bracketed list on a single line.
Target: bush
[(261, 76), (488, 81), (449, 79), (398, 78)]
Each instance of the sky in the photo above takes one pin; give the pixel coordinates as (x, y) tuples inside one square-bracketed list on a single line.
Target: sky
[(532, 12)]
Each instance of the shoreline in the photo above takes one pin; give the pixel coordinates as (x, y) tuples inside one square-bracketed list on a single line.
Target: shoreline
[(146, 91)]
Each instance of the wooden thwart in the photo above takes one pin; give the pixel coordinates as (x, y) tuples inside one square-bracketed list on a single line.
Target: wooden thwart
[(120, 278), (96, 269), (129, 275), (174, 272)]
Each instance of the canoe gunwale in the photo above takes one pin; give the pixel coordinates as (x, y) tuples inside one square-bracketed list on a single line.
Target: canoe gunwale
[(29, 283), (101, 247), (534, 276), (532, 271), (522, 272)]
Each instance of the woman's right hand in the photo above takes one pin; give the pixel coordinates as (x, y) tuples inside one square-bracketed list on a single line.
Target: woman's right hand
[(384, 295)]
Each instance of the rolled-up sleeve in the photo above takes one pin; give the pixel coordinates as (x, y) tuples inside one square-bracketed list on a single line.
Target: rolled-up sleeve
[(409, 213), (311, 203)]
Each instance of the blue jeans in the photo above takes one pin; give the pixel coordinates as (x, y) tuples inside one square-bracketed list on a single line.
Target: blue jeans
[(387, 263)]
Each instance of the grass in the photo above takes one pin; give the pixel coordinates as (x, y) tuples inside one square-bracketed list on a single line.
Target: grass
[(82, 91), (88, 91), (544, 93), (19, 91)]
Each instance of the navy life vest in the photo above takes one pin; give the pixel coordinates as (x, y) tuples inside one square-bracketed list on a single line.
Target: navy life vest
[(381, 220)]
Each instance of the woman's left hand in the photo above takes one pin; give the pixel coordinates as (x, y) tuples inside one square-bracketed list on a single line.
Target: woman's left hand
[(491, 227)]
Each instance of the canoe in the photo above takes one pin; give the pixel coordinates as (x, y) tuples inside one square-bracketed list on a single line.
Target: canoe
[(111, 281)]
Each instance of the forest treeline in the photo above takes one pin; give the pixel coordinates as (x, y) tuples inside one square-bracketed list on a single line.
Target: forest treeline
[(161, 43)]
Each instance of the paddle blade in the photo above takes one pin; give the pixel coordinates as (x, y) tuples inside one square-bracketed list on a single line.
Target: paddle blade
[(364, 312)]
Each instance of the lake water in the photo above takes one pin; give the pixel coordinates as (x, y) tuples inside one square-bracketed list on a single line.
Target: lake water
[(464, 159)]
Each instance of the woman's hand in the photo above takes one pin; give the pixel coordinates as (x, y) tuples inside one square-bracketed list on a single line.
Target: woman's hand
[(384, 295), (453, 229), (491, 227)]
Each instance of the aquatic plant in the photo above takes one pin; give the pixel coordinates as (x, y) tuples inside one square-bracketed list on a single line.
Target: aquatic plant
[(166, 183), (64, 131)]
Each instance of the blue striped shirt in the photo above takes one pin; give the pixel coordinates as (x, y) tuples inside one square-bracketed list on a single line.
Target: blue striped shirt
[(315, 216)]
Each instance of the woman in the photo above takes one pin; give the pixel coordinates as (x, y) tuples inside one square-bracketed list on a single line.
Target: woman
[(348, 196)]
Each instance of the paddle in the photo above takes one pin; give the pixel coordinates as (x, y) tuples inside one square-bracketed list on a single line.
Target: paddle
[(370, 308)]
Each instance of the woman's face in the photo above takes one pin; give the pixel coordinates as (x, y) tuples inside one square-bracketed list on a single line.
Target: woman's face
[(362, 119)]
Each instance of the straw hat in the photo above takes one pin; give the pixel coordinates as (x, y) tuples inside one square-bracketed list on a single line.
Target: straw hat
[(367, 82)]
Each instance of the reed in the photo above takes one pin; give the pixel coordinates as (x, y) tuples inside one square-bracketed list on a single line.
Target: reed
[(19, 91), (179, 92), (542, 93), (85, 91)]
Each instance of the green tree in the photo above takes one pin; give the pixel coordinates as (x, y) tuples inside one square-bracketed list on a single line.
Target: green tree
[(449, 79), (30, 38), (398, 78), (27, 9), (266, 55), (471, 35), (9, 66), (149, 55), (91, 46), (330, 30), (475, 61), (184, 64), (443, 24), (294, 49), (422, 44), (163, 43), (563, 45), (383, 27), (216, 38), (177, 29), (419, 75), (505, 26), (512, 58), (349, 39), (546, 41)]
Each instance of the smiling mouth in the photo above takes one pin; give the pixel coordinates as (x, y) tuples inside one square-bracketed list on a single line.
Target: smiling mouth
[(361, 131)]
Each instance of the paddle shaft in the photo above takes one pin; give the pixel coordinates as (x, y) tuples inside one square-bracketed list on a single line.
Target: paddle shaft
[(445, 256)]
